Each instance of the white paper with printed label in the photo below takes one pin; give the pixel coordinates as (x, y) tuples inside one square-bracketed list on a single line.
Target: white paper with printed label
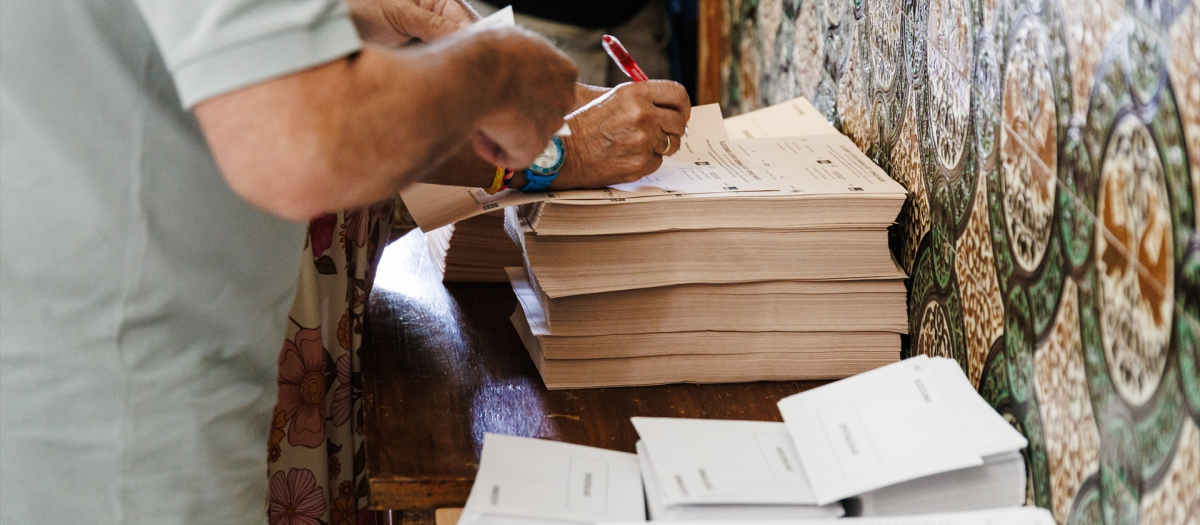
[(889, 425), (1003, 516), (537, 479), (985, 428), (713, 461)]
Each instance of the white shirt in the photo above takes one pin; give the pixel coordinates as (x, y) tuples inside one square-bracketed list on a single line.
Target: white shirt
[(142, 303)]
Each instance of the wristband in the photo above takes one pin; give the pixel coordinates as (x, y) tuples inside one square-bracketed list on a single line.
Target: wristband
[(500, 180), (497, 181)]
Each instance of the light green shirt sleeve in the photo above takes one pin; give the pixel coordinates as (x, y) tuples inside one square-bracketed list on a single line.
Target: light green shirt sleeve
[(213, 47)]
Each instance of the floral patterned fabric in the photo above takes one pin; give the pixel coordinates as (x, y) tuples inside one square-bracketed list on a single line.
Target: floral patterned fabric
[(316, 457)]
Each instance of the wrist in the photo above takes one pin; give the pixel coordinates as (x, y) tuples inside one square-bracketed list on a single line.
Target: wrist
[(585, 94), (569, 173), (518, 180), (544, 169)]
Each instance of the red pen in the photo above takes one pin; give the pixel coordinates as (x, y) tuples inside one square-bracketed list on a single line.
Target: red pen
[(622, 58)]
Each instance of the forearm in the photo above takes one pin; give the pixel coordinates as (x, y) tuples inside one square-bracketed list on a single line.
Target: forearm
[(462, 168), (352, 131), (465, 168)]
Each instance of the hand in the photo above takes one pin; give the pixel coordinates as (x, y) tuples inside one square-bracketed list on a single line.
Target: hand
[(585, 94), (538, 81), (622, 135), (396, 23)]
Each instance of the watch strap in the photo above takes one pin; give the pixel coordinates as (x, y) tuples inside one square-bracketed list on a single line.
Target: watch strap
[(537, 182)]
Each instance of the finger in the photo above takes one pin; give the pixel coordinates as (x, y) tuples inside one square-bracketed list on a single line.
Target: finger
[(664, 143), (672, 144), (669, 121), (409, 19), (666, 94)]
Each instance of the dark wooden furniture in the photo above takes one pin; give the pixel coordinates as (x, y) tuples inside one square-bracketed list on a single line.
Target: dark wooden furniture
[(442, 365), (712, 49)]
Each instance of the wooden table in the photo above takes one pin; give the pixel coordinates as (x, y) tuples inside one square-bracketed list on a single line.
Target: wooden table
[(442, 365)]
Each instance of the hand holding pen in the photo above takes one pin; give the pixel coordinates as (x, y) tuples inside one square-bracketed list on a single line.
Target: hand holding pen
[(623, 134), (625, 62)]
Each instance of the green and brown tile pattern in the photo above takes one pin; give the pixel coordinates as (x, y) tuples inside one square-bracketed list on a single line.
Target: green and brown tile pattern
[(1052, 153)]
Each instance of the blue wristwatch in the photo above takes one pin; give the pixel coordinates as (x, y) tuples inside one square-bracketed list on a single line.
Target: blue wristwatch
[(545, 167)]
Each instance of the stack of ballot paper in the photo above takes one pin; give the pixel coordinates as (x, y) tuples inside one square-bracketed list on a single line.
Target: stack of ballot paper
[(738, 260), (474, 250), (523, 480), (1009, 516), (908, 438), (762, 258), (703, 469), (912, 438)]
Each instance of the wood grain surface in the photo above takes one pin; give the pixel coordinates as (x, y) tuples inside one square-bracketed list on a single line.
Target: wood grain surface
[(442, 365)]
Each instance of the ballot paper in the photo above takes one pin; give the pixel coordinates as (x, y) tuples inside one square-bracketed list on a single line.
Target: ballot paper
[(794, 118), (712, 469), (501, 18), (818, 164), (892, 424), (985, 428), (524, 480), (722, 461), (1006, 516)]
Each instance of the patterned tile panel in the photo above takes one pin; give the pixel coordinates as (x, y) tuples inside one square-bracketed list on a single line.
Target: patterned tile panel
[(1051, 149)]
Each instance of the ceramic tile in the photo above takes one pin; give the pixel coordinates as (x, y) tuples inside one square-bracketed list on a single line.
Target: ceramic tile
[(933, 335), (1088, 27), (1072, 439), (949, 63), (1134, 262), (982, 306), (905, 161), (1028, 145), (1184, 70), (853, 96), (1177, 498)]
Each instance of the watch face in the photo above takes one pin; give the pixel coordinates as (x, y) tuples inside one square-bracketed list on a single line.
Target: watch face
[(549, 156)]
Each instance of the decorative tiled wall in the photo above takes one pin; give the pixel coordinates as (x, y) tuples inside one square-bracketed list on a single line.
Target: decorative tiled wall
[(1052, 152)]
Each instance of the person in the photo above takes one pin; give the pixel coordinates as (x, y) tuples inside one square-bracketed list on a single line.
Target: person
[(576, 27), (314, 439), (157, 160)]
